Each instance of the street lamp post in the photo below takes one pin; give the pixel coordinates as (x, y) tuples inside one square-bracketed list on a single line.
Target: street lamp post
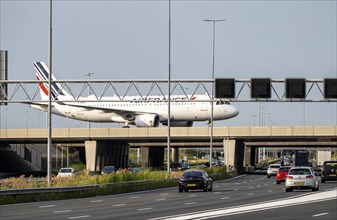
[(169, 93), (89, 76), (49, 117), (212, 99), (254, 118)]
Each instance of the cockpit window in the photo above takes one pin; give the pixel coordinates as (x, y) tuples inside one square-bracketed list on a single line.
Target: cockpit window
[(222, 102)]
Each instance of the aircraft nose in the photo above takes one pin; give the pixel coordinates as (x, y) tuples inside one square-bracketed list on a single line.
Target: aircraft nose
[(232, 111)]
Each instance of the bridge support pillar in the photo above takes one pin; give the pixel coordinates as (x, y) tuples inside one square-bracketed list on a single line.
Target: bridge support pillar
[(175, 152), (229, 151), (247, 155), (103, 153), (253, 156), (234, 153), (152, 156)]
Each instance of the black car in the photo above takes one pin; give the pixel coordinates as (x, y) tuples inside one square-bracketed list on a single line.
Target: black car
[(329, 171), (185, 165), (108, 170), (195, 179)]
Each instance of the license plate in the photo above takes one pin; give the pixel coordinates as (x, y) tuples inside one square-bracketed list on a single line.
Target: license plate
[(299, 184), (191, 184), (332, 174)]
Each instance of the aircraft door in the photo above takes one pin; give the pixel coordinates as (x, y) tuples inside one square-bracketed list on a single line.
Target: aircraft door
[(204, 106)]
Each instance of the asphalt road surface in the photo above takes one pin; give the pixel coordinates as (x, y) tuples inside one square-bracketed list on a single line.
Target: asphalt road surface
[(244, 197)]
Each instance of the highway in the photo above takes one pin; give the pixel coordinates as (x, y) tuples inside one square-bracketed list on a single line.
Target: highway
[(244, 197)]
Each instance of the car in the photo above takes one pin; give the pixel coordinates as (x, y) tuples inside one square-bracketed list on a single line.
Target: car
[(66, 172), (174, 166), (108, 170), (195, 179), (286, 162), (302, 178), (329, 171), (272, 169), (281, 174), (215, 162), (185, 165)]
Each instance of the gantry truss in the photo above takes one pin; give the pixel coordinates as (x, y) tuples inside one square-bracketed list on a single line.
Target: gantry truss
[(21, 91)]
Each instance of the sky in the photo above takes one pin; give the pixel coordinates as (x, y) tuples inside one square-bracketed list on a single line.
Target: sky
[(128, 40)]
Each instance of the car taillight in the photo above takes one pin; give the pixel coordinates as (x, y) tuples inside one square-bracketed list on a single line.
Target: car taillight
[(309, 177), (290, 177)]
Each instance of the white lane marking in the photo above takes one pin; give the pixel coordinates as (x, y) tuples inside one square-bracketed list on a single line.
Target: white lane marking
[(96, 201), (225, 198), (46, 206), (144, 209), (164, 194), (117, 205), (247, 208), (250, 194), (250, 187), (324, 213), (193, 195), (82, 216), (269, 191), (258, 186), (190, 203), (161, 199), (216, 186), (61, 211), (134, 197), (235, 189), (217, 192), (237, 183)]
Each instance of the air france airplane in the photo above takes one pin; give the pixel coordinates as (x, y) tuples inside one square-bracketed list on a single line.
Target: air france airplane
[(133, 110)]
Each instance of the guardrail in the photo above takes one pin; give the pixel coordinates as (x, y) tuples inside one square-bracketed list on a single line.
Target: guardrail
[(11, 192), (12, 196), (15, 192), (45, 190)]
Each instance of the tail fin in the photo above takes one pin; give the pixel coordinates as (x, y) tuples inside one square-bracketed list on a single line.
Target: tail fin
[(42, 73)]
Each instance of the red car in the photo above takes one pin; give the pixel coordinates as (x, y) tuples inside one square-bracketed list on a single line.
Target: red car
[(282, 174)]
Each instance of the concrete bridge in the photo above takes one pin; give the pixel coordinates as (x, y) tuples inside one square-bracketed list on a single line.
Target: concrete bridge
[(111, 145)]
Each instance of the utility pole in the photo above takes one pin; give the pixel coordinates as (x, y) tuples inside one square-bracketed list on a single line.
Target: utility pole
[(212, 98), (49, 118), (169, 97)]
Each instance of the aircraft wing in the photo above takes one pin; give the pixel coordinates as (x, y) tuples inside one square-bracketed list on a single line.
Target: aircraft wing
[(41, 104), (126, 114), (123, 113)]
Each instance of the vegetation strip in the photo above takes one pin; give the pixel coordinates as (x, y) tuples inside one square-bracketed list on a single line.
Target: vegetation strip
[(18, 190)]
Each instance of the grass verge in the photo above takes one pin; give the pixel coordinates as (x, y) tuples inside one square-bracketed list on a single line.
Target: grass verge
[(121, 182)]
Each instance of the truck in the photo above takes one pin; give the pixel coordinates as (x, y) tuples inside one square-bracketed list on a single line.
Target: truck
[(302, 158), (322, 155)]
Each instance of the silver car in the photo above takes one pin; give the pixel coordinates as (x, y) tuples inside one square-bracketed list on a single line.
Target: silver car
[(66, 172), (273, 169), (302, 178)]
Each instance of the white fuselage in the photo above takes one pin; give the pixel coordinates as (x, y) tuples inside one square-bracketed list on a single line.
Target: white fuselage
[(147, 111), (181, 109)]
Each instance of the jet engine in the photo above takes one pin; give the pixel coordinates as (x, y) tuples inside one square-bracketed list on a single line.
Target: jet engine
[(149, 120)]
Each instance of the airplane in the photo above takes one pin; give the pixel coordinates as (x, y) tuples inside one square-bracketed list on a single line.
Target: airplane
[(133, 110)]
